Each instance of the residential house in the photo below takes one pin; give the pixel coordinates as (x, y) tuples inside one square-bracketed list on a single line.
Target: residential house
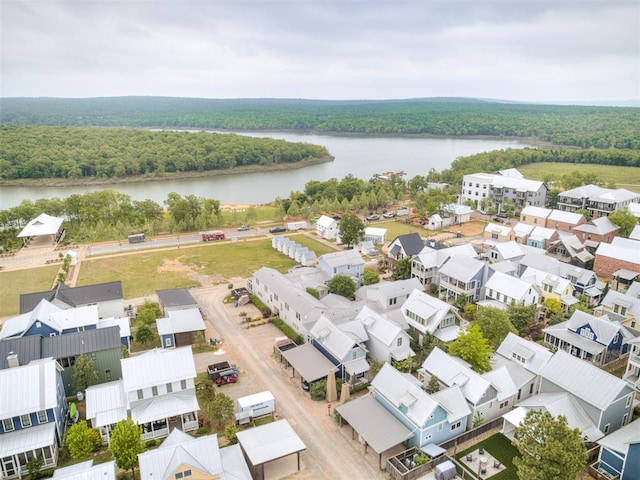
[(180, 327), (521, 232), (569, 249), (346, 262), (598, 201), (632, 372), (488, 395), (107, 296), (407, 245), (536, 216), (462, 277), (596, 231), (87, 471), (523, 360), (425, 266), (343, 349), (294, 305), (541, 237), (157, 391), (33, 413), (621, 253), (182, 456), (386, 340), (428, 417), (505, 289), (511, 250), (565, 221), (607, 400), (550, 286), (498, 188), (623, 308), (595, 339), (619, 455), (385, 296), (375, 235), (635, 233), (428, 315), (327, 227), (498, 233), (175, 299)]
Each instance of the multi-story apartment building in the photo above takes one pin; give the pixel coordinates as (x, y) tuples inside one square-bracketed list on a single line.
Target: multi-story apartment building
[(598, 201), (498, 188)]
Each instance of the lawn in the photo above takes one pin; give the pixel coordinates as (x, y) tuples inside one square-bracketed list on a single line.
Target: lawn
[(23, 281), (501, 448), (144, 273), (263, 213), (623, 177), (398, 227), (312, 244)]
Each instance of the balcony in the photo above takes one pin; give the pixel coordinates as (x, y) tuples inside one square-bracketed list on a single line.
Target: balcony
[(160, 433)]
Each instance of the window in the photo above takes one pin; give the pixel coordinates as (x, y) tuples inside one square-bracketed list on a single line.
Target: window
[(42, 416), (25, 420), (186, 473), (440, 427), (169, 387), (7, 425), (167, 342), (455, 425), (140, 395), (504, 404), (93, 357), (629, 400), (154, 391), (530, 389), (183, 384), (38, 324), (107, 373), (606, 428), (399, 342), (393, 301), (624, 419)]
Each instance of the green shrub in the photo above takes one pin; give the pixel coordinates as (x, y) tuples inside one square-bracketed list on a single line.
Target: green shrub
[(150, 443), (318, 389), (287, 330), (261, 306)]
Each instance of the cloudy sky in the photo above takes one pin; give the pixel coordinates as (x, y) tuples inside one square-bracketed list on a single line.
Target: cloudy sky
[(530, 50)]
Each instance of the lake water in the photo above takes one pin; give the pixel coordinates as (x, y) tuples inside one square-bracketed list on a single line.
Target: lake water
[(360, 156)]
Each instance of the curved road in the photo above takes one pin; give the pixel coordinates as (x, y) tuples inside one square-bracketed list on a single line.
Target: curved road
[(330, 454)]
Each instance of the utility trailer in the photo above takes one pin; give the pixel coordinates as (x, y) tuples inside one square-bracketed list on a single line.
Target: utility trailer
[(222, 373)]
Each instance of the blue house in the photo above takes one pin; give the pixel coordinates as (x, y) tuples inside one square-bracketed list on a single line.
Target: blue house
[(432, 418), (620, 453), (180, 327), (595, 339), (605, 398), (33, 413)]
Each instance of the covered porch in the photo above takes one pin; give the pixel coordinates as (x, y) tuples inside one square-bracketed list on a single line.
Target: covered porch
[(159, 415), (18, 448)]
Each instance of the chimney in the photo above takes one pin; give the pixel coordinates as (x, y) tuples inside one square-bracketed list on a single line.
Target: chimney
[(12, 360)]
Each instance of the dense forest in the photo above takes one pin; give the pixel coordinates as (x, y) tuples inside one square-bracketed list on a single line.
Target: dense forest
[(72, 153), (580, 126)]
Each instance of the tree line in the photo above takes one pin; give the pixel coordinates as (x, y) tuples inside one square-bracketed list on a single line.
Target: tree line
[(73, 153), (580, 126)]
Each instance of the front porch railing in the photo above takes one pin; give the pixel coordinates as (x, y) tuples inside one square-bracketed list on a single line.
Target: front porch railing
[(162, 432), (188, 426)]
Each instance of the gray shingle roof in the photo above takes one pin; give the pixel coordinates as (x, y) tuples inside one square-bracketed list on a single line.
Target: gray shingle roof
[(178, 297), (80, 343), (27, 349), (73, 296)]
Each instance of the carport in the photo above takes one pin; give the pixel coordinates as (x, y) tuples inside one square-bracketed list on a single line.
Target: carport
[(309, 362), (267, 443), (374, 424)]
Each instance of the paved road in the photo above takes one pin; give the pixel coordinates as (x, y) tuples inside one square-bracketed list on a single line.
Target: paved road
[(330, 454)]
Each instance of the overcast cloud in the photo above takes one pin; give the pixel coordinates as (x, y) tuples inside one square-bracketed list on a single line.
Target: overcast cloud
[(559, 50)]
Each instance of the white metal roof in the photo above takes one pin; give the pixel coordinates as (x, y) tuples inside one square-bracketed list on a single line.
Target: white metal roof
[(179, 448), (503, 230), (605, 330), (122, 322), (157, 367), (43, 224), (106, 403), (234, 465), (453, 401), (514, 344), (309, 362), (28, 388), (255, 398), (87, 471), (164, 406), (509, 250), (337, 342), (583, 379), (375, 232), (543, 232), (595, 193), (325, 221), (535, 212), (565, 217), (75, 317), (432, 309), (620, 252), (507, 285), (379, 326), (462, 268), (179, 321), (503, 383), (20, 324), (620, 440), (27, 439), (270, 442), (344, 257), (523, 229)]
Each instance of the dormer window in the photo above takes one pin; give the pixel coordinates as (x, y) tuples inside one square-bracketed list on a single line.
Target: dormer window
[(183, 474)]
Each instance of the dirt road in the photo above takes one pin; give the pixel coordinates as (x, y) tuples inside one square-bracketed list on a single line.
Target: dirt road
[(330, 454)]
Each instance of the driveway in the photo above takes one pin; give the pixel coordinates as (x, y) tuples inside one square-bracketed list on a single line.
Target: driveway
[(331, 453)]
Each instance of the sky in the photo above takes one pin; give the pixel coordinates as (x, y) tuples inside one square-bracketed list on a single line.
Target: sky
[(521, 50)]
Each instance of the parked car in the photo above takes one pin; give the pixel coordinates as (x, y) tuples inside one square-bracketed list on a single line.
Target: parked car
[(498, 219), (277, 230), (305, 385), (389, 214), (373, 216), (243, 228)]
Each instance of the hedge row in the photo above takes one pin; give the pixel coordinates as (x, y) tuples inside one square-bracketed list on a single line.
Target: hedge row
[(288, 331)]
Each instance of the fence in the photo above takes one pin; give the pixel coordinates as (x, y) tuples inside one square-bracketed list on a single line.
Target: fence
[(466, 436), (402, 466)]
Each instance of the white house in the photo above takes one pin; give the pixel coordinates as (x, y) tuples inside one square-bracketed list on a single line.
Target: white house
[(386, 340), (327, 227), (346, 262), (375, 235), (429, 315), (505, 289)]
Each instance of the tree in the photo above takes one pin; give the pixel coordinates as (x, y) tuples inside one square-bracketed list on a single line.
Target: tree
[(148, 313), (494, 324), (231, 434), (351, 229), (472, 347), (82, 440), (553, 308), (625, 220), (126, 444), (144, 335), (403, 365), (434, 385), (34, 465), (313, 291), (374, 367), (521, 315), (549, 449), (84, 375), (369, 277), (221, 408), (402, 269), (342, 285)]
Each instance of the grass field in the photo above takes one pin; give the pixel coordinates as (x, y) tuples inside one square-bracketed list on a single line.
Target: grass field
[(502, 449), (311, 244), (145, 273), (623, 177), (15, 283)]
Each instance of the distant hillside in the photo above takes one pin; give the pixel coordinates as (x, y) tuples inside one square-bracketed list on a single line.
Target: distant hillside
[(580, 126)]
